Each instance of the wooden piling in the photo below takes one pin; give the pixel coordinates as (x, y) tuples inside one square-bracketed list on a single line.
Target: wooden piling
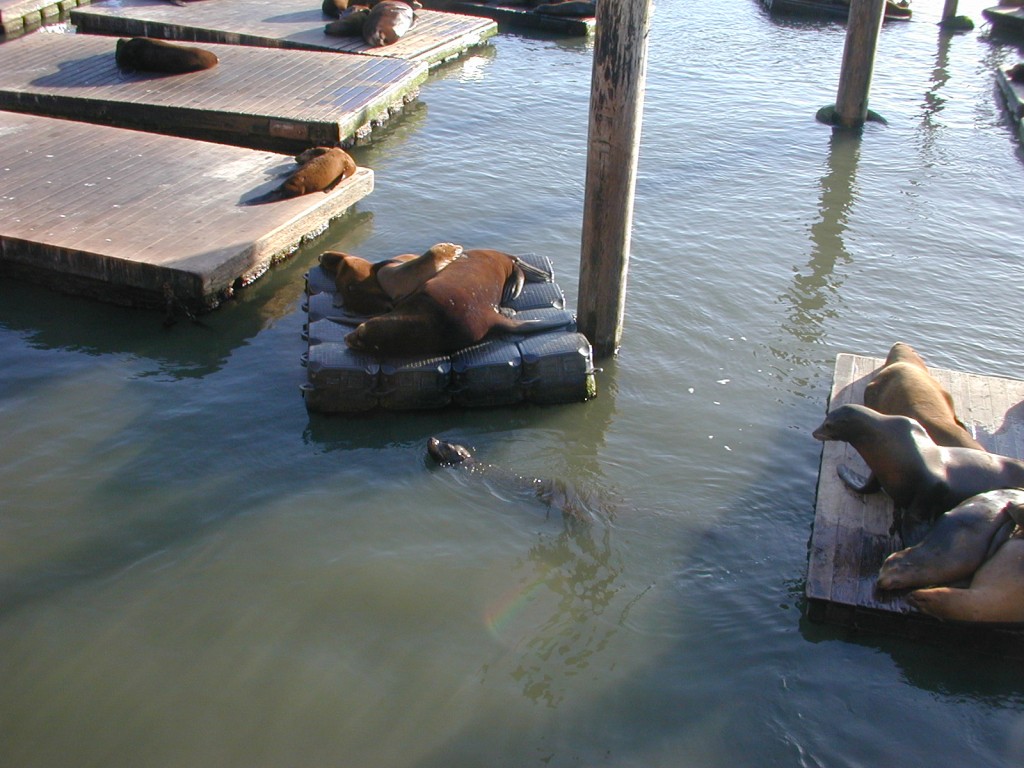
[(862, 30), (616, 111), (949, 10)]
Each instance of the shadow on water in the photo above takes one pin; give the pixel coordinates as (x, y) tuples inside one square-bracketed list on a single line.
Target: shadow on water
[(186, 349)]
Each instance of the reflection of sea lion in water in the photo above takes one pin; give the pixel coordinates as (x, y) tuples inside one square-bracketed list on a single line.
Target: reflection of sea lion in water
[(324, 170), (387, 22), (904, 387), (553, 493), (370, 288), (922, 479), (455, 308), (151, 55), (996, 593), (959, 542)]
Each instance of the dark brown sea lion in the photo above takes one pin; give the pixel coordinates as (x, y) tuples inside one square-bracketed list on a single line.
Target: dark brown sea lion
[(151, 55), (387, 22), (321, 173), (1016, 73), (579, 8), (959, 542), (996, 593), (922, 479), (904, 387), (401, 278), (333, 8), (455, 308), (553, 493), (350, 23)]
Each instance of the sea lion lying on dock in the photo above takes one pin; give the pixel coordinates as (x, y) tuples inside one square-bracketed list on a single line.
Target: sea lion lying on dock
[(369, 288), (580, 8), (961, 540), (149, 55), (904, 387), (922, 479), (387, 22), (350, 23), (324, 169), (554, 494), (457, 307)]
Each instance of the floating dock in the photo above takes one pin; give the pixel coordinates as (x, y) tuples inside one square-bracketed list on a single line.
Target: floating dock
[(20, 16), (298, 24), (550, 366), (1013, 94), (851, 535), (839, 9), (144, 219), (522, 18), (265, 98), (1006, 18)]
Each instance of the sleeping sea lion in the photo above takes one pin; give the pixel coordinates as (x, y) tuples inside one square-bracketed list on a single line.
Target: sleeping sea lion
[(455, 308), (904, 387), (553, 493), (922, 479), (387, 22), (151, 55), (996, 593), (959, 542), (567, 8), (349, 23), (400, 279), (320, 173)]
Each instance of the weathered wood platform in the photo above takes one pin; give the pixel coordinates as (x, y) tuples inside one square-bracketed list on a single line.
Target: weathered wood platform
[(1006, 18), (851, 532), (266, 98), (435, 38), (19, 16), (1013, 96), (125, 216), (523, 18)]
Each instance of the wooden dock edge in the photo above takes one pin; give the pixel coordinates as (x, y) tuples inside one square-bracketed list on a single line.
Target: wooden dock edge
[(850, 538), (517, 17), (19, 18), (1013, 97)]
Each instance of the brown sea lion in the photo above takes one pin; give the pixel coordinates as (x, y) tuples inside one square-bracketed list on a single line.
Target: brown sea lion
[(904, 387), (400, 279), (350, 23), (580, 8), (455, 308), (321, 173), (333, 8), (151, 55), (387, 22), (1016, 73), (996, 593), (956, 546), (922, 479)]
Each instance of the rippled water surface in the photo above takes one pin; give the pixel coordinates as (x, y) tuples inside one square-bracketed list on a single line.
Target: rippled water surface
[(195, 572)]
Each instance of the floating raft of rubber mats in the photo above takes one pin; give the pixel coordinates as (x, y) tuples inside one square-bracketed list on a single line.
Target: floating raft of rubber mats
[(553, 366)]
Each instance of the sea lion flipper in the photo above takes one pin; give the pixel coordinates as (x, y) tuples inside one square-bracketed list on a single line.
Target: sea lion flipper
[(857, 482), (513, 286)]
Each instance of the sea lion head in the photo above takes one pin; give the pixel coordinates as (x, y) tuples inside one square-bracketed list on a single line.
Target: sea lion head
[(358, 287), (446, 454), (854, 423)]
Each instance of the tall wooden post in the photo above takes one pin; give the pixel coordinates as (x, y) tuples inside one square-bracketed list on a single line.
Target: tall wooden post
[(616, 110), (865, 22), (949, 10)]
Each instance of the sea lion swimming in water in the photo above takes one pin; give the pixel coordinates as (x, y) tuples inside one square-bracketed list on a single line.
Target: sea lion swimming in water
[(904, 387), (922, 479), (957, 545), (147, 54), (324, 169)]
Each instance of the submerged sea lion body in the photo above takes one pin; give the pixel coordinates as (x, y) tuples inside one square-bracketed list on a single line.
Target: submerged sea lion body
[(957, 545), (996, 593), (144, 53), (387, 22), (923, 479), (455, 308), (904, 387)]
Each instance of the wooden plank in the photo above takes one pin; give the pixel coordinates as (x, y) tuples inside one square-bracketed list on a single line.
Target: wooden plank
[(283, 100), (119, 214), (19, 16), (851, 537), (296, 24), (519, 17)]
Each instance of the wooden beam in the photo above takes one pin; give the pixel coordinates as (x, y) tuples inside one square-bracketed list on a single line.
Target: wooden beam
[(862, 30)]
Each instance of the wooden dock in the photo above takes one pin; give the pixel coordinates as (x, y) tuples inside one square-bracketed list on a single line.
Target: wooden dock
[(299, 24), (128, 216), (851, 532), (1006, 18), (20, 16), (265, 98), (521, 18), (1013, 95)]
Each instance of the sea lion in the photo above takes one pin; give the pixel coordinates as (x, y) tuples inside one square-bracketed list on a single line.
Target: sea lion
[(959, 542), (387, 22), (151, 55), (922, 479), (553, 493), (350, 23), (996, 593), (904, 387), (1016, 73), (320, 173), (400, 279), (580, 8), (455, 308), (333, 8)]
